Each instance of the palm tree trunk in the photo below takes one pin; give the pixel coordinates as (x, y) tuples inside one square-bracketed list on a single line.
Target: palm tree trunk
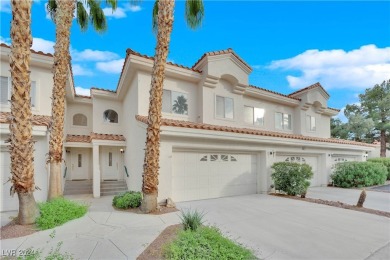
[(152, 152), (63, 20), (383, 143), (22, 144)]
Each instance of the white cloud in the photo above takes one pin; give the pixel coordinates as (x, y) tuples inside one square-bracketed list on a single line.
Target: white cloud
[(133, 8), (114, 66), (93, 55), (360, 68), (256, 67), (120, 12), (5, 40), (83, 91), (78, 70), (43, 45), (5, 6)]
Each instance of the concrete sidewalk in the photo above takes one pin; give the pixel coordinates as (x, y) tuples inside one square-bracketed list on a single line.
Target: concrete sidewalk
[(282, 228), (374, 200), (102, 234)]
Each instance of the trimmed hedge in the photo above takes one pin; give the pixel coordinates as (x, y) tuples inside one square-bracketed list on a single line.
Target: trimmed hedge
[(384, 161), (292, 178), (129, 199), (359, 174)]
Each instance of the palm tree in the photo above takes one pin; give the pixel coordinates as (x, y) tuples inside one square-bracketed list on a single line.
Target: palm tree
[(180, 105), (162, 21), (21, 142), (61, 12)]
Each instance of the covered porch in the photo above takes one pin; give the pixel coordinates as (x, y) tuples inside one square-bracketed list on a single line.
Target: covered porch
[(95, 164)]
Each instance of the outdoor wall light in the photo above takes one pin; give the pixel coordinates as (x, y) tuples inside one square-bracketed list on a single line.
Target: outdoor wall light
[(67, 151), (122, 150), (271, 153)]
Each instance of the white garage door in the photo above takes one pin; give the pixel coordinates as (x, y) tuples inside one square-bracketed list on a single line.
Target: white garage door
[(341, 158), (7, 202), (206, 175), (310, 160)]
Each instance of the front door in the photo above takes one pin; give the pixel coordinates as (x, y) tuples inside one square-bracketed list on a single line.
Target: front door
[(110, 163), (80, 164)]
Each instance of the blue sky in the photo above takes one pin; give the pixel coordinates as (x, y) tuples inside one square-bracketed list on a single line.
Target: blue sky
[(343, 45)]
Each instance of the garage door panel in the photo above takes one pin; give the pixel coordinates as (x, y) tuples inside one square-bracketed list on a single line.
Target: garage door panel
[(212, 175), (7, 201)]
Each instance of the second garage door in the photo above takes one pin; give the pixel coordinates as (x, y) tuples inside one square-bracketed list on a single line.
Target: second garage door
[(198, 175)]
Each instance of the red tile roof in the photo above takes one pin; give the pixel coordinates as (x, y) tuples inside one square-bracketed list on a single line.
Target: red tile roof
[(221, 52), (274, 92), (315, 85), (335, 109), (33, 51), (186, 124), (39, 120), (103, 89), (94, 136)]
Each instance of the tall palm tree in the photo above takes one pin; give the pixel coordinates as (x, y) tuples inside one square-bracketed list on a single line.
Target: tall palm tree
[(21, 142), (61, 12), (163, 22)]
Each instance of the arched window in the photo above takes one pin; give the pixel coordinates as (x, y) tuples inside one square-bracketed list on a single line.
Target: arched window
[(80, 120), (110, 116)]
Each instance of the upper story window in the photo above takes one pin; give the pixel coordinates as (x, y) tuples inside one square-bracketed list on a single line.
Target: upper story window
[(110, 116), (224, 107), (282, 121), (254, 115), (310, 123), (175, 102), (80, 120), (5, 91)]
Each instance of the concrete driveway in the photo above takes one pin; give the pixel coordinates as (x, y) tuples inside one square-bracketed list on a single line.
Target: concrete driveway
[(281, 228), (374, 199)]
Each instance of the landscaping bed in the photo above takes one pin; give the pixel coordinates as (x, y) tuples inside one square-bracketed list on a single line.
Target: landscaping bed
[(336, 204)]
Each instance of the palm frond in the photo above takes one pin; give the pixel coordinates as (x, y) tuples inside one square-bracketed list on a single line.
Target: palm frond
[(155, 17), (194, 13), (96, 16), (82, 16), (52, 8)]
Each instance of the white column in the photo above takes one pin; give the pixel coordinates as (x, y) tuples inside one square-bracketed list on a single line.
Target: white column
[(96, 172)]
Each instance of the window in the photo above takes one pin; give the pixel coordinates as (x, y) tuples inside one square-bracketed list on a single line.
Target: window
[(282, 121), (5, 91), (175, 102), (110, 159), (310, 123), (110, 116), (254, 115), (80, 120), (79, 160), (213, 157), (224, 107)]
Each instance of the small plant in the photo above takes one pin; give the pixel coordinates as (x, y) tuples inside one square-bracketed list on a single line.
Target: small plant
[(384, 161), (362, 198), (191, 220), (292, 178), (359, 174), (129, 199), (205, 243), (59, 211)]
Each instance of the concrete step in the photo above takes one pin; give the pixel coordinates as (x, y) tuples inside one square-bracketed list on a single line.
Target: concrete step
[(110, 193)]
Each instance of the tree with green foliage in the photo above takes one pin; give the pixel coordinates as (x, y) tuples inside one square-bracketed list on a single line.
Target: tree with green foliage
[(338, 129), (359, 124), (61, 11), (375, 102)]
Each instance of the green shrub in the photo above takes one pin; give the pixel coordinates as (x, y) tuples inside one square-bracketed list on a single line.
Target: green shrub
[(205, 243), (384, 161), (129, 199), (59, 211), (191, 220), (359, 174), (292, 178)]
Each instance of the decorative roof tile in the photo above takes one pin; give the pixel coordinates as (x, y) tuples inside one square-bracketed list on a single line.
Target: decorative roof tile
[(33, 51), (221, 52), (39, 120), (94, 136), (186, 124), (274, 92), (315, 85)]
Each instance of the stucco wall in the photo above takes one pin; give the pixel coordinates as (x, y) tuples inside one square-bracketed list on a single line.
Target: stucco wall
[(101, 104), (77, 108)]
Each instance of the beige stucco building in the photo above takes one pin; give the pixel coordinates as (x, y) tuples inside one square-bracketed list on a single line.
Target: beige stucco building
[(220, 135)]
